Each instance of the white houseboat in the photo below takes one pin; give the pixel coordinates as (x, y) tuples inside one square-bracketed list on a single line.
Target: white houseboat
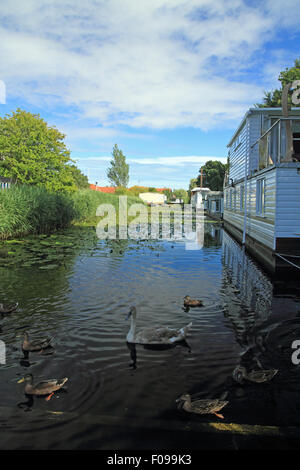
[(262, 189), (198, 197), (215, 204)]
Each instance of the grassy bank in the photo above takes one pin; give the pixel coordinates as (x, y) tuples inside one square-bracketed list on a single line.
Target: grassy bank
[(86, 202), (28, 209)]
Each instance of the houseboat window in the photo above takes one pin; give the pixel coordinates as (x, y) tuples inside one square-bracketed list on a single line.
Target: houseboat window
[(273, 150), (234, 199), (268, 145), (260, 196), (296, 140), (217, 205), (242, 197)]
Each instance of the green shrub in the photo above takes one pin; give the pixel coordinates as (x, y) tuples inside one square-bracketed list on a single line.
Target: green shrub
[(31, 209), (121, 191)]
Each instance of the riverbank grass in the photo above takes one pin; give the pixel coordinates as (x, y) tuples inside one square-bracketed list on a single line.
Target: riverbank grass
[(33, 210)]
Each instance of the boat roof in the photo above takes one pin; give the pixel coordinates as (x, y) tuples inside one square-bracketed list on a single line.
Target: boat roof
[(274, 111)]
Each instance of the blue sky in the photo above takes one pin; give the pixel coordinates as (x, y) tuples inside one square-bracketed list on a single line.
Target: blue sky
[(167, 80)]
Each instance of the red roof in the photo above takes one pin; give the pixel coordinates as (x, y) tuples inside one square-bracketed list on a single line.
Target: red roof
[(160, 190), (103, 189)]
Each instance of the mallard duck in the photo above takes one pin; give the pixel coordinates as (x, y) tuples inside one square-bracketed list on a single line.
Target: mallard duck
[(45, 387), (5, 308), (36, 344), (154, 335), (257, 376), (202, 407), (188, 302)]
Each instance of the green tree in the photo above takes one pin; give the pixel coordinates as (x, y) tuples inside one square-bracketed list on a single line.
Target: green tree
[(192, 185), (118, 173), (213, 175), (272, 99), (181, 194), (81, 181), (168, 193), (33, 153)]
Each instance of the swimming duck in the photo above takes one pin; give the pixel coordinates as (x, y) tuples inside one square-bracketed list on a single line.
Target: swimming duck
[(188, 302), (154, 335), (5, 308), (257, 376), (45, 387), (36, 344), (202, 407)]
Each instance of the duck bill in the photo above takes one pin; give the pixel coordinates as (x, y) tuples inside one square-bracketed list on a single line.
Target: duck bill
[(128, 315), (180, 403), (21, 381)]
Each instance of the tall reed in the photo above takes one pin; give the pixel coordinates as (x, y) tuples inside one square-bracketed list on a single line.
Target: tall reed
[(31, 209)]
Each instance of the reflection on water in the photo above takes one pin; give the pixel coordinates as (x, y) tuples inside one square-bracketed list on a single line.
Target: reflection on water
[(248, 290), (77, 289)]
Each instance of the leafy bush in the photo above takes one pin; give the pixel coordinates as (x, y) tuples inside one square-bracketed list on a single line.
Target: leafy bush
[(32, 209)]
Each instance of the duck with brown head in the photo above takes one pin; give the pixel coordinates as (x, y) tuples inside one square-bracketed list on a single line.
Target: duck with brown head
[(8, 308), (45, 387), (38, 344), (202, 407)]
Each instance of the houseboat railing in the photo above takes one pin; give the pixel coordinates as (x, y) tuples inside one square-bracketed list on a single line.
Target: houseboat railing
[(274, 158), (265, 133), (278, 122)]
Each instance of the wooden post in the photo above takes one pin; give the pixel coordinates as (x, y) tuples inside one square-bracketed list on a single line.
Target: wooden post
[(288, 126)]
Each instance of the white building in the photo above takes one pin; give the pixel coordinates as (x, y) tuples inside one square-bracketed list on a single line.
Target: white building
[(215, 204), (153, 198), (198, 197), (262, 192)]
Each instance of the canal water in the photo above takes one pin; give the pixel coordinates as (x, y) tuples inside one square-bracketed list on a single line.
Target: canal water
[(78, 290)]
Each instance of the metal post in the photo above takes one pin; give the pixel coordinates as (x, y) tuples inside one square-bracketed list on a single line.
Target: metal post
[(279, 143), (288, 124), (248, 149)]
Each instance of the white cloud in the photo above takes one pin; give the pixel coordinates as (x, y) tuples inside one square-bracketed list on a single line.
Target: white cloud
[(176, 161), (169, 161), (158, 64), (174, 171)]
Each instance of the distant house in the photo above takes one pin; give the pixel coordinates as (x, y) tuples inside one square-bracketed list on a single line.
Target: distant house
[(176, 200), (103, 189), (5, 182), (153, 198), (262, 191), (161, 190), (215, 204), (198, 197)]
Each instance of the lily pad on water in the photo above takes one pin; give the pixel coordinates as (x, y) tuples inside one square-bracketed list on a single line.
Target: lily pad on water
[(49, 266)]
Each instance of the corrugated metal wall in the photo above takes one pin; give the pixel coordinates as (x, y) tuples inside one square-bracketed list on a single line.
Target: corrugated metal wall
[(288, 201), (237, 155), (259, 228), (281, 217)]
